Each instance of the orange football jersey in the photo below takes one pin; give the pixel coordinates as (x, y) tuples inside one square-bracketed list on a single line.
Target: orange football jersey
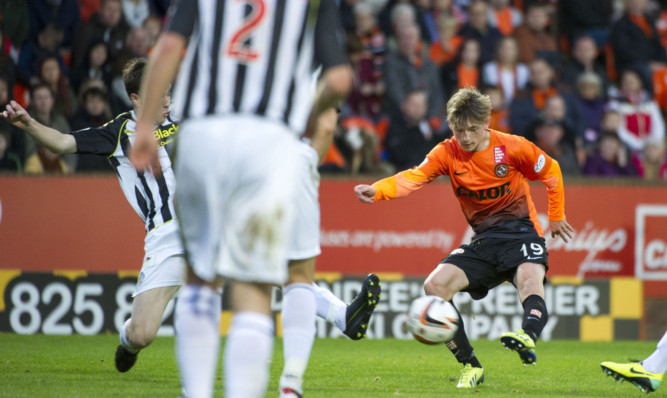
[(491, 184)]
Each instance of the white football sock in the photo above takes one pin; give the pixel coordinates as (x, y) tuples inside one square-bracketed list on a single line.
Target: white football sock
[(196, 321), (123, 337), (298, 317), (657, 362), (248, 350), (330, 307)]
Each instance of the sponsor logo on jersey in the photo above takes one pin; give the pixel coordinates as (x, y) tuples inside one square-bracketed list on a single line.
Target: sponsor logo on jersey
[(501, 170), (499, 154), (540, 163), (484, 194), (164, 134), (457, 251)]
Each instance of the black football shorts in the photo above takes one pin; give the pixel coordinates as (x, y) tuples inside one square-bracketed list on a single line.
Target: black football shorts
[(488, 262)]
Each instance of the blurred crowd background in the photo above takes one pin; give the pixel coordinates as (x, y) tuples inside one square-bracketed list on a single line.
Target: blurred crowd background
[(585, 80)]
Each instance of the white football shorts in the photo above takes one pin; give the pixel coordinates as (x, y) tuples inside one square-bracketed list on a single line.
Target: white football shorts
[(236, 178), (164, 261), (304, 241)]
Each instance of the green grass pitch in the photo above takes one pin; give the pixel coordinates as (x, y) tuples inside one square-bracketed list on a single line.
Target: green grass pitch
[(82, 366)]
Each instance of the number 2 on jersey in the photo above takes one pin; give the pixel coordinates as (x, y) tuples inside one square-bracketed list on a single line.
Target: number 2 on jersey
[(238, 47)]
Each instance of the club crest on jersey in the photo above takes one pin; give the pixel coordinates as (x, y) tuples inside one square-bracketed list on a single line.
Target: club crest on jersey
[(501, 170), (499, 154)]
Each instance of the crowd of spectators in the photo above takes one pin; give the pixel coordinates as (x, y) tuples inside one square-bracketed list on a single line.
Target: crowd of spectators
[(586, 80)]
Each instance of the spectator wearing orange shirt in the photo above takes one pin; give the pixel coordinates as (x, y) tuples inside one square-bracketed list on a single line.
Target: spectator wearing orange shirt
[(445, 48), (528, 102), (464, 70), (499, 118), (504, 17), (439, 9), (534, 38)]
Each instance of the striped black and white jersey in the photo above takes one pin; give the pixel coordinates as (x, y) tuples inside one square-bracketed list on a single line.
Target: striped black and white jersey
[(152, 198), (254, 57)]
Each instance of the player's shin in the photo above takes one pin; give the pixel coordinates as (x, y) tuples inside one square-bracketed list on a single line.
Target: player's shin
[(535, 316), (248, 350), (196, 321), (460, 345), (298, 319)]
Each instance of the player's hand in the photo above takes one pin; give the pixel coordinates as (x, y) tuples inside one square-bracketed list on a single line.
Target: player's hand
[(143, 154), (16, 115), (365, 193), (562, 229)]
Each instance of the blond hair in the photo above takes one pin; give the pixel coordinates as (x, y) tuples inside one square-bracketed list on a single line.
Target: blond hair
[(468, 107)]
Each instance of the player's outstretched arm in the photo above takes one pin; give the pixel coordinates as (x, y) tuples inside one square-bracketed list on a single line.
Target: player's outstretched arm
[(562, 229), (53, 140), (365, 193)]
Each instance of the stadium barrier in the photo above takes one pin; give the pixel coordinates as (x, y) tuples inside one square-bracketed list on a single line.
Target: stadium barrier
[(80, 303), (70, 250)]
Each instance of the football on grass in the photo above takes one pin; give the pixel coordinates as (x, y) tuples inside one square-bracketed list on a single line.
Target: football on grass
[(432, 320)]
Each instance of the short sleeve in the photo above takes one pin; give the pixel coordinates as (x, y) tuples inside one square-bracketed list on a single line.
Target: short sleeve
[(329, 36), (181, 17)]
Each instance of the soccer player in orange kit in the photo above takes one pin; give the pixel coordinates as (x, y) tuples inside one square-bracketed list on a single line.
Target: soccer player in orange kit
[(488, 172)]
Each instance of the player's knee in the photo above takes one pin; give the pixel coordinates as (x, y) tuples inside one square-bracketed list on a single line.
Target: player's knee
[(142, 337), (433, 287), (529, 287)]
